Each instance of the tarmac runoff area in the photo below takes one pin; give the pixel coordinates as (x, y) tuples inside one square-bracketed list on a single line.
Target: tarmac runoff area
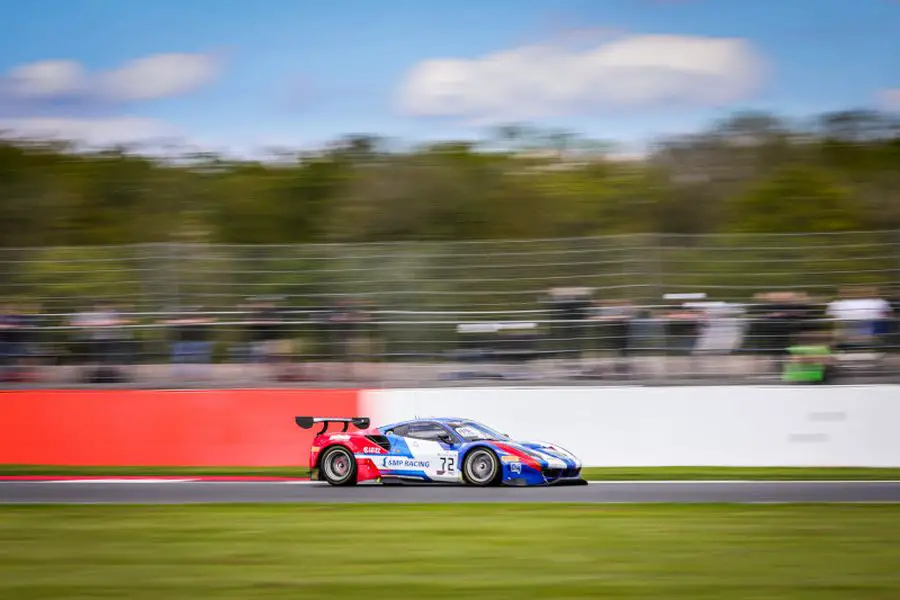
[(195, 490)]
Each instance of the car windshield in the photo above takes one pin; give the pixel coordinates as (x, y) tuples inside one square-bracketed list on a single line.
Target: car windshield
[(472, 431)]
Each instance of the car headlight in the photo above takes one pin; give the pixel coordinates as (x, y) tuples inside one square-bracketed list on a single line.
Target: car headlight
[(564, 451), (535, 454)]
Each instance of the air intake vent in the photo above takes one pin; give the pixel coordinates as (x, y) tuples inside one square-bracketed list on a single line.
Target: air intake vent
[(380, 440)]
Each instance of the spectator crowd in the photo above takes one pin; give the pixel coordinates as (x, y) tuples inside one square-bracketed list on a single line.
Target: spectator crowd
[(792, 334)]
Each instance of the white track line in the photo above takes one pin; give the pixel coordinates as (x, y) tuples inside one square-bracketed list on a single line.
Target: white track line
[(258, 482), (118, 481), (154, 481), (600, 482), (743, 481)]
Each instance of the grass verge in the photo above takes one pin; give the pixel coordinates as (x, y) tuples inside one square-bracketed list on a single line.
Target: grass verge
[(439, 551), (592, 473)]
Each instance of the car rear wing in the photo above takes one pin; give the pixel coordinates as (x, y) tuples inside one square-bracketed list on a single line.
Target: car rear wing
[(308, 422)]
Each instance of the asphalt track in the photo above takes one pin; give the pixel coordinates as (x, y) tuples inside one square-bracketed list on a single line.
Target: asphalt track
[(192, 491)]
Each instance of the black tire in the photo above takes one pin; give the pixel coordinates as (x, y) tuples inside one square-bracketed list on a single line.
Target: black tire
[(481, 467), (337, 466)]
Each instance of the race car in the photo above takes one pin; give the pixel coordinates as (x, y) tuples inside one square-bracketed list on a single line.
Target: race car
[(438, 450)]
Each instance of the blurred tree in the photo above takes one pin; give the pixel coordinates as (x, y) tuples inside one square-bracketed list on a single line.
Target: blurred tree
[(798, 199), (545, 183)]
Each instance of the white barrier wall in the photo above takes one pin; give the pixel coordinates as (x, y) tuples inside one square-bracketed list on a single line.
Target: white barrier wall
[(677, 426)]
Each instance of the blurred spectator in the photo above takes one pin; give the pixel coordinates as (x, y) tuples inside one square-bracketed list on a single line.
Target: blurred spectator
[(569, 309), (101, 336), (775, 319), (35, 347), (128, 347), (720, 328), (12, 344), (647, 331), (265, 328), (810, 360), (190, 336), (613, 319), (861, 318), (682, 323), (348, 333), (893, 337), (271, 336)]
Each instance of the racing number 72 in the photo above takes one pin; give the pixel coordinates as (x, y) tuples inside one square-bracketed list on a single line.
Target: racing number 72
[(447, 463)]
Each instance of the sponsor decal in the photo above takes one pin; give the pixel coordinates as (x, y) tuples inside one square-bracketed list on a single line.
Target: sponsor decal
[(390, 462), (469, 432), (516, 468), (373, 450), (509, 459), (340, 437), (314, 449)]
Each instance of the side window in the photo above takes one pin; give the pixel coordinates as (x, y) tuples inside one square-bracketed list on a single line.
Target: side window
[(400, 431), (426, 431)]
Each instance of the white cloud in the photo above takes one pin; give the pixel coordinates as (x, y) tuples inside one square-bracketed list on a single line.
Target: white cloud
[(68, 92), (148, 78), (50, 78), (91, 132), (539, 81), (890, 99), (159, 76), (152, 136)]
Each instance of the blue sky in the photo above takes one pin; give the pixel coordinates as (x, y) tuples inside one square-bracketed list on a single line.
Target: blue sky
[(298, 72)]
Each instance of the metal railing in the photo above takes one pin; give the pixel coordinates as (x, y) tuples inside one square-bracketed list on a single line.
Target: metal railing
[(438, 313)]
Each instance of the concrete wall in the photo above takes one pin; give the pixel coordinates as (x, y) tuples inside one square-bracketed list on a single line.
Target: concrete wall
[(605, 426), (678, 426), (252, 428)]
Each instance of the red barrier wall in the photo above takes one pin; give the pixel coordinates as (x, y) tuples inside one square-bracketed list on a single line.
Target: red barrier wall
[(164, 428)]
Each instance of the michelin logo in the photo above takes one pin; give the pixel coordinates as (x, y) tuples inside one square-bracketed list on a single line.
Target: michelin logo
[(404, 463)]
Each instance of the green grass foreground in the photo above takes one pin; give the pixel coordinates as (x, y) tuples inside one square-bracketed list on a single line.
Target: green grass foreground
[(440, 551), (592, 473)]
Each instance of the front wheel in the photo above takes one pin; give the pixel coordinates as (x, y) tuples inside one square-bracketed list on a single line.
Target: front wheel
[(481, 467), (338, 466)]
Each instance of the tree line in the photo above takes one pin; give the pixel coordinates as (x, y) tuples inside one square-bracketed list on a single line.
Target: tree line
[(752, 172)]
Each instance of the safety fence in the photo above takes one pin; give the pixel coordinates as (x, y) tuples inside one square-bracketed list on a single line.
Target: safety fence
[(631, 308), (451, 277)]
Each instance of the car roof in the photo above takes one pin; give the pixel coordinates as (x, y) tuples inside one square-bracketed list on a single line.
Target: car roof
[(444, 420)]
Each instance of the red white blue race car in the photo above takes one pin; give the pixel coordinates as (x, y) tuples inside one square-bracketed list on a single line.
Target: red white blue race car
[(441, 450)]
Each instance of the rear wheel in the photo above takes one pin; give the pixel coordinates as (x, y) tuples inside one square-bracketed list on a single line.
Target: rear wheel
[(338, 466), (481, 467)]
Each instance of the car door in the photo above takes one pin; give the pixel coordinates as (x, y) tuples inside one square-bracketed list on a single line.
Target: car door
[(436, 449)]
